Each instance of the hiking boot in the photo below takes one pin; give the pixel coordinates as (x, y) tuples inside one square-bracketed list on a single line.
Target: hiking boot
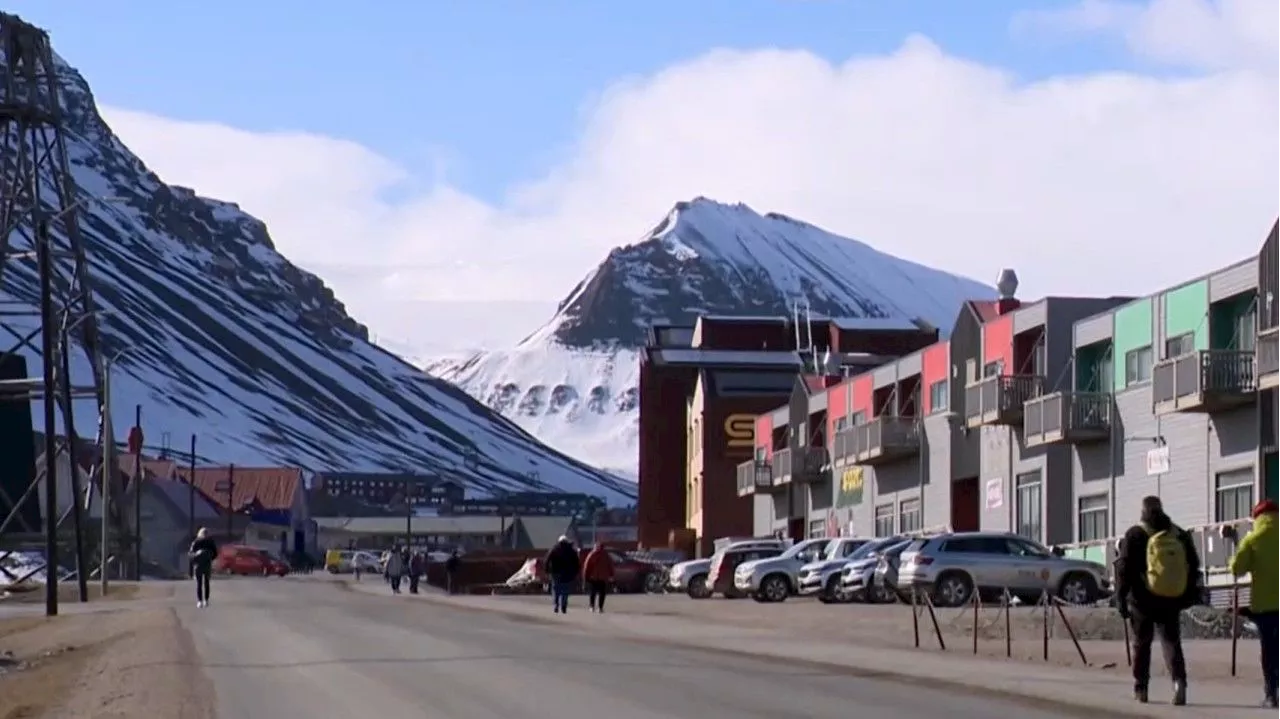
[(1269, 702), (1179, 694), (1140, 695)]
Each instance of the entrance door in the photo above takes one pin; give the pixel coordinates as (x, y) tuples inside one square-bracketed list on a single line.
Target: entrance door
[(965, 505)]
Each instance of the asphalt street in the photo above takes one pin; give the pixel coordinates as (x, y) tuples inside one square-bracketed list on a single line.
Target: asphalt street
[(297, 648)]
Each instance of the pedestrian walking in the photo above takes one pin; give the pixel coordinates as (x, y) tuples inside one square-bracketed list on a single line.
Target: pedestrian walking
[(561, 565), (1157, 578), (417, 565), (202, 553), (394, 570), (1258, 556), (451, 571), (598, 570)]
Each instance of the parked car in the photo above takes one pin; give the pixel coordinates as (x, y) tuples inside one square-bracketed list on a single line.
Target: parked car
[(690, 577), (856, 577), (952, 567), (776, 578), (883, 586), (635, 575), (248, 561), (345, 561), (720, 577), (822, 576)]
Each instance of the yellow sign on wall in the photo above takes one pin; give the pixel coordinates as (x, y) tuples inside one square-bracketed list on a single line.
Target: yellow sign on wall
[(851, 485), (740, 432)]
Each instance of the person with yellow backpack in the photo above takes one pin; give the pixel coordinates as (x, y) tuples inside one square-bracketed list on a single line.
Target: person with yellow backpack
[(1256, 555), (1157, 578)]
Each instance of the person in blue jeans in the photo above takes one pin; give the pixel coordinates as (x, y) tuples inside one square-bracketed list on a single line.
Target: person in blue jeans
[(562, 566)]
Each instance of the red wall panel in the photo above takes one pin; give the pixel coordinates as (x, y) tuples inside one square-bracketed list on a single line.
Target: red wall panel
[(861, 394), (935, 366), (764, 434), (837, 406), (997, 342)]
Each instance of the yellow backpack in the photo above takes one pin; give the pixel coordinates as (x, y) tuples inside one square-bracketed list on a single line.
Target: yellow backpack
[(1167, 567)]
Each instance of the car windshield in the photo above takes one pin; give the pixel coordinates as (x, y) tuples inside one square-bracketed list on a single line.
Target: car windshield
[(897, 549), (871, 548), (805, 548), (832, 549), (1027, 548)]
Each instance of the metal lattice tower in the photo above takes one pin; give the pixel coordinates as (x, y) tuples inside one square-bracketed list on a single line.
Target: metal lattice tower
[(46, 302)]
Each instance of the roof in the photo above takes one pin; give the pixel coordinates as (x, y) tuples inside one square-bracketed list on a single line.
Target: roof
[(420, 525), (152, 468), (984, 310), (178, 493), (874, 323), (543, 532), (270, 488), (731, 358)]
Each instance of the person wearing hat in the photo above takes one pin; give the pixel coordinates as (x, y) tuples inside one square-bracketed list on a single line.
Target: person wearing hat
[(1258, 556), (562, 565), (1157, 573)]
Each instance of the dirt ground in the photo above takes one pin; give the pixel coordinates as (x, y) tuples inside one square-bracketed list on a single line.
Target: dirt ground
[(34, 593), (116, 664), (1099, 629)]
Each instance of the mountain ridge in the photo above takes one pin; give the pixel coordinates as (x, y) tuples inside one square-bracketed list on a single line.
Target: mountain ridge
[(573, 382), (215, 333)]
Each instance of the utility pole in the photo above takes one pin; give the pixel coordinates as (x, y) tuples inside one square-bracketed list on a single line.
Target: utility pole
[(231, 495), (47, 349), (191, 491), (108, 473), (73, 466), (136, 448), (408, 512)]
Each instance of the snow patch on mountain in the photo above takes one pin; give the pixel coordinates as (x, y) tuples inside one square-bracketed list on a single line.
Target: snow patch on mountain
[(703, 258), (212, 332)]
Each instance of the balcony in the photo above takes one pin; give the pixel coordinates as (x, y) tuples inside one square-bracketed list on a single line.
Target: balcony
[(887, 439), (844, 447), (799, 465), (999, 399), (1203, 381), (1268, 361), (754, 476), (1067, 418)]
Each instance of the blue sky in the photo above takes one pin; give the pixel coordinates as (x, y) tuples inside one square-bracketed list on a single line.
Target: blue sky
[(495, 88)]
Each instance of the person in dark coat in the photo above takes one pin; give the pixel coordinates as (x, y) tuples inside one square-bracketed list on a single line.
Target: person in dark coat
[(562, 567), (1157, 573), (451, 571), (417, 565), (202, 553)]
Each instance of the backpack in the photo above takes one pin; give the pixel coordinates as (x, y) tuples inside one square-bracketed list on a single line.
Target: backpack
[(1168, 571)]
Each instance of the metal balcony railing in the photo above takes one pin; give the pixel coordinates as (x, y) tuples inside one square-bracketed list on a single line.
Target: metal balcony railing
[(888, 438), (798, 465), (1204, 380), (844, 447), (1067, 417), (753, 475), (1268, 358), (999, 399)]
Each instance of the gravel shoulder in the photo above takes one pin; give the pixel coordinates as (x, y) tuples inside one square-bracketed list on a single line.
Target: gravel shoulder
[(113, 664), (1099, 630)]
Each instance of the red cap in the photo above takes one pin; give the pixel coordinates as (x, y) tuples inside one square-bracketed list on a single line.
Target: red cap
[(1266, 506)]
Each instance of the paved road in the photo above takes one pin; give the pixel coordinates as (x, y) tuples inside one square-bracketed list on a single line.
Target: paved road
[(298, 648)]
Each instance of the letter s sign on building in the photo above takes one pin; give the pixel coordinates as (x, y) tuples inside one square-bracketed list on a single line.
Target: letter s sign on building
[(740, 433)]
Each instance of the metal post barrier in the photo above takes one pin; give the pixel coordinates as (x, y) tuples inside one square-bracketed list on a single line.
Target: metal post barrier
[(1008, 624), (977, 609), (1066, 623), (1235, 622), (933, 617), (915, 619), (1044, 607)]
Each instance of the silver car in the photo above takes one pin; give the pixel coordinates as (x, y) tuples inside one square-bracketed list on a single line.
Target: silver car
[(775, 578), (691, 577), (951, 567), (822, 576), (858, 581)]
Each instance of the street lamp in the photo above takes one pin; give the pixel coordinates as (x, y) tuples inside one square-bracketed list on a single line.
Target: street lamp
[(109, 465)]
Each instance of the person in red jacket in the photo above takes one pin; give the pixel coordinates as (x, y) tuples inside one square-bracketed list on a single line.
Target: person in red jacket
[(598, 573)]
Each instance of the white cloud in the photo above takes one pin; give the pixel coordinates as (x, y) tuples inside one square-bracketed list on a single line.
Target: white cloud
[(1099, 184), (1200, 34)]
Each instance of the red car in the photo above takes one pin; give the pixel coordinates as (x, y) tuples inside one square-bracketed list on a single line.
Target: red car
[(248, 561)]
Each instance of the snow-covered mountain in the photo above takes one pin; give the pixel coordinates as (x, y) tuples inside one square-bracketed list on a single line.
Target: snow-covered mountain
[(573, 382), (217, 334)]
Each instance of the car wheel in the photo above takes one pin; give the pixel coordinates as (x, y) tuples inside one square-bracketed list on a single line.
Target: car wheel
[(1078, 588), (952, 589), (774, 588), (653, 583), (833, 593), (698, 588)]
